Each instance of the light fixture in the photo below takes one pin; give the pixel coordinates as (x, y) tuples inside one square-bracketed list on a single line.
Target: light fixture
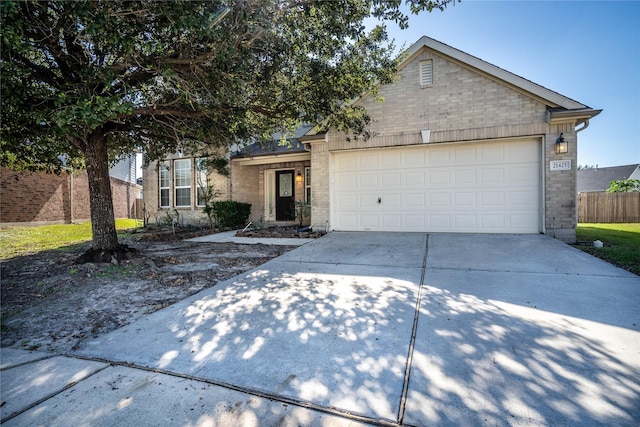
[(562, 146), (299, 178)]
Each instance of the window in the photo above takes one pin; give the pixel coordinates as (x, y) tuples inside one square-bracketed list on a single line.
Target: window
[(307, 185), (426, 73), (201, 181), (165, 183), (182, 182)]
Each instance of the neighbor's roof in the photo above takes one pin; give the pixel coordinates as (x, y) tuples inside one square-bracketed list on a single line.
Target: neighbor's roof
[(599, 179)]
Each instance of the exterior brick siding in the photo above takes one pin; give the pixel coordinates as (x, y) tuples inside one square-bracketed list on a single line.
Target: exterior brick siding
[(462, 105), (40, 198)]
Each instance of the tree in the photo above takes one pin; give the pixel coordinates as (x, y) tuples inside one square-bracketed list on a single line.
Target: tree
[(91, 80), (624, 185)]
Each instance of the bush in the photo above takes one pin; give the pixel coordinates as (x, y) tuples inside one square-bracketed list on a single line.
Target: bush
[(230, 213)]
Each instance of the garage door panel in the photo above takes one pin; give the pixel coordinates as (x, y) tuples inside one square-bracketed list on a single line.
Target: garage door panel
[(413, 179), (465, 156), (467, 199), (347, 182), (465, 177), (482, 187), (492, 199), (392, 180), (439, 177), (440, 200), (415, 200), (368, 180)]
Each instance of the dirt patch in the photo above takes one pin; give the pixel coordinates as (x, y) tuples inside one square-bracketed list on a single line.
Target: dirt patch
[(49, 303)]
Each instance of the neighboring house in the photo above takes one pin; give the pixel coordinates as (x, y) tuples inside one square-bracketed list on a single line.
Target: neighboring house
[(598, 179), (460, 145), (42, 198)]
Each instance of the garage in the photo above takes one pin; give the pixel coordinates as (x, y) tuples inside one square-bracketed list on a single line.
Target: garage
[(482, 187)]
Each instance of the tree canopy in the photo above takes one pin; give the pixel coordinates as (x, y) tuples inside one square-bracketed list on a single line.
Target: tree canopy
[(87, 81), (624, 186)]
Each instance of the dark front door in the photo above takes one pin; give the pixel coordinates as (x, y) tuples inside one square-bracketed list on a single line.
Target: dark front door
[(284, 196)]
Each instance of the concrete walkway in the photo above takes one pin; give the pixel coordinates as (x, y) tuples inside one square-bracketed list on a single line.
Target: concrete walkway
[(364, 329)]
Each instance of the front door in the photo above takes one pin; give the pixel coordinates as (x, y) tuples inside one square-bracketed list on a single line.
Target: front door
[(285, 196)]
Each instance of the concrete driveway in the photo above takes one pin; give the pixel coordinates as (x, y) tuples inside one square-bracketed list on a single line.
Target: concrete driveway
[(373, 328)]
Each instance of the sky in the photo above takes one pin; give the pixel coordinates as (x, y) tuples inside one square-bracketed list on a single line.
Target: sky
[(588, 51)]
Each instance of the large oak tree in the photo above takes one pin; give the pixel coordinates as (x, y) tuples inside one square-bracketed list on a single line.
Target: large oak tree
[(87, 81)]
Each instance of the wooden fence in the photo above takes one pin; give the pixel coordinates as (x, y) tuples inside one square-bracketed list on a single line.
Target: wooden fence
[(609, 207)]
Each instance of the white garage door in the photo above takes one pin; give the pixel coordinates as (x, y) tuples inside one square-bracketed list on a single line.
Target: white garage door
[(470, 188)]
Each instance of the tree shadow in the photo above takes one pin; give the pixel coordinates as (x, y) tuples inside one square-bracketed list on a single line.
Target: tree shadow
[(483, 361), (336, 339)]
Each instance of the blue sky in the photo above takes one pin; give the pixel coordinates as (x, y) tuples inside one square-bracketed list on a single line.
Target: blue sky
[(586, 50)]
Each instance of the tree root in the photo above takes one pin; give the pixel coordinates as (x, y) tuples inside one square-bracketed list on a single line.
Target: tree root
[(121, 253)]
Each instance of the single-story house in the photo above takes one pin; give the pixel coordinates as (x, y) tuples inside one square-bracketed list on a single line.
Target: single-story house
[(598, 179), (459, 145), (36, 198)]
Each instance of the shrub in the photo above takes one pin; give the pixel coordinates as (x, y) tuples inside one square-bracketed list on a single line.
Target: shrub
[(230, 213)]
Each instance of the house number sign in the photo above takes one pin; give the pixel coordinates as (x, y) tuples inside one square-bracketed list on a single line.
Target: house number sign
[(560, 165)]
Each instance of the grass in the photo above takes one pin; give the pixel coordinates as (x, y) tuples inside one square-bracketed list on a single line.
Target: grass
[(17, 241), (621, 243)]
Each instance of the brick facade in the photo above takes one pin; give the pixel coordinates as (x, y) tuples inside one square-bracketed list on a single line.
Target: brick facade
[(468, 101), (248, 185), (41, 198), (462, 105), (193, 214)]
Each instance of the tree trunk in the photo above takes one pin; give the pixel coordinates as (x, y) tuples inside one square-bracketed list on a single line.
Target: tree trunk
[(103, 223)]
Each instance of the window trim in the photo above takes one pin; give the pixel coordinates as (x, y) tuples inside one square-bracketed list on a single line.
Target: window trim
[(177, 187), (164, 168), (200, 173), (307, 184)]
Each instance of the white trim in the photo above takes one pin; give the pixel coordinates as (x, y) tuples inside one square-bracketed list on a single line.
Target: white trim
[(270, 194), (275, 158)]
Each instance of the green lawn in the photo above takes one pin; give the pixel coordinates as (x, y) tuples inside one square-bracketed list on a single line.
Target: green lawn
[(621, 243), (16, 241)]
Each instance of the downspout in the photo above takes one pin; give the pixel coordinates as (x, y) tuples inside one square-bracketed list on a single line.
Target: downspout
[(586, 125)]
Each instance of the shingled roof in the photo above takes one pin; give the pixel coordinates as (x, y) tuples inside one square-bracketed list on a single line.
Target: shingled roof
[(598, 179)]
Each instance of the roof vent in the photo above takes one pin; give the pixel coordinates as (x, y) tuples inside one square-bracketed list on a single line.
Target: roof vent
[(426, 73)]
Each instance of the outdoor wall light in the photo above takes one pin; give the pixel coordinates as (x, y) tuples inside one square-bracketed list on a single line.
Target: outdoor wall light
[(299, 178), (562, 146)]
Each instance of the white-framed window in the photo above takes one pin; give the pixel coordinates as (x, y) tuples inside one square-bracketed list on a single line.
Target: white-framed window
[(201, 181), (182, 182), (165, 184), (307, 185), (426, 73)]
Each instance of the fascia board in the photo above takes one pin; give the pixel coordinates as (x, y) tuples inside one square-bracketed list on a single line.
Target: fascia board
[(272, 158)]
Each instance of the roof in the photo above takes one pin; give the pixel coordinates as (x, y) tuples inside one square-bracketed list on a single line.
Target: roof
[(269, 148), (274, 146), (599, 179)]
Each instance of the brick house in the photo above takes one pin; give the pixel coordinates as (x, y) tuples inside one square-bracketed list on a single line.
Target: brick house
[(42, 198), (460, 145)]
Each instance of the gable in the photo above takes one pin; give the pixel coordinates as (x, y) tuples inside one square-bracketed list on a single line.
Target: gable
[(451, 97)]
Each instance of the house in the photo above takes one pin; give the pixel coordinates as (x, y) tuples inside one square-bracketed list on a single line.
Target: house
[(598, 179), (42, 198), (459, 145)]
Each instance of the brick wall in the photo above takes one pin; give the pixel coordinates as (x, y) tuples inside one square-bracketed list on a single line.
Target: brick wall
[(462, 105), (39, 197), (247, 183), (188, 215), (33, 197)]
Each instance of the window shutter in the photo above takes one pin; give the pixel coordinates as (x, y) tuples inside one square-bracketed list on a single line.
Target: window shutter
[(426, 73)]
